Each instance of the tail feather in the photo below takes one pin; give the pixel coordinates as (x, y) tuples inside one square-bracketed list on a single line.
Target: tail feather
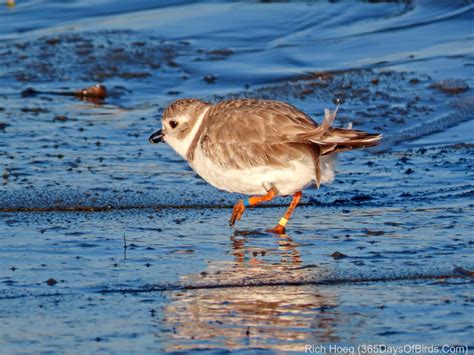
[(325, 140), (346, 139), (332, 140), (321, 130)]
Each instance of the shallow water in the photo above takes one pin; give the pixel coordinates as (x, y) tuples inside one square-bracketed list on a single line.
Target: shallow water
[(380, 256)]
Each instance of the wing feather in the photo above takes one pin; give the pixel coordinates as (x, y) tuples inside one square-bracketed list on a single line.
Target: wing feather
[(249, 133)]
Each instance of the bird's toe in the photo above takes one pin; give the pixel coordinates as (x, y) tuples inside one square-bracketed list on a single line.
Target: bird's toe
[(279, 229), (237, 212)]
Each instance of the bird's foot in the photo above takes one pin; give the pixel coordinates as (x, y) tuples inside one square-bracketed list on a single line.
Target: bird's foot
[(237, 212), (279, 229)]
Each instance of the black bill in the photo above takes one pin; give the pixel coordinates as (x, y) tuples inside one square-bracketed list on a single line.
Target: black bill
[(156, 137)]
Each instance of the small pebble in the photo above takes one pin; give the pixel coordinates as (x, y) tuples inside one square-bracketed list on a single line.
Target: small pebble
[(94, 92), (61, 118), (338, 255), (210, 79), (451, 86), (51, 282)]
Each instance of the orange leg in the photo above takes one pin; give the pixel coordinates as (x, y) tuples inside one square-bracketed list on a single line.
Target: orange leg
[(280, 227), (239, 207)]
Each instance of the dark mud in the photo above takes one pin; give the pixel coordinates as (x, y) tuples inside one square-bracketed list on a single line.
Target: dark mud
[(87, 57), (115, 245)]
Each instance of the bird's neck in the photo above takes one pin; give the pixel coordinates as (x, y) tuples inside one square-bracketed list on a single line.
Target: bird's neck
[(188, 144)]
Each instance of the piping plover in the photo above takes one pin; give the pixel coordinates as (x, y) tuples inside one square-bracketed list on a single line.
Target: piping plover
[(257, 147)]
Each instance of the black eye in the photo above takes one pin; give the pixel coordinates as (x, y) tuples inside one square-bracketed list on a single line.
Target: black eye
[(173, 124)]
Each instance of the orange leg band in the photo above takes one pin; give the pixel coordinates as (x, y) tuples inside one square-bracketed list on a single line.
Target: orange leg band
[(294, 203), (280, 227)]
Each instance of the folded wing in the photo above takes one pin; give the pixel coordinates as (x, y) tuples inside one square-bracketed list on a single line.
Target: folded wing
[(249, 133)]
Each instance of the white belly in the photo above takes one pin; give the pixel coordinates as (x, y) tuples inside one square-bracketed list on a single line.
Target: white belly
[(258, 180)]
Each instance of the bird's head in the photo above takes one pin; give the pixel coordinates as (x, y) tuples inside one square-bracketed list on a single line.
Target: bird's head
[(180, 123)]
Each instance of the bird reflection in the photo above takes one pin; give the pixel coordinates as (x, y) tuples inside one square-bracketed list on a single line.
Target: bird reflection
[(289, 255), (236, 304)]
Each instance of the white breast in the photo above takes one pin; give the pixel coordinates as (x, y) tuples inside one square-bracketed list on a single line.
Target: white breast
[(256, 181)]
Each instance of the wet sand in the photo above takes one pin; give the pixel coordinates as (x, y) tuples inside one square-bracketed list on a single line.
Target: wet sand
[(111, 244)]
